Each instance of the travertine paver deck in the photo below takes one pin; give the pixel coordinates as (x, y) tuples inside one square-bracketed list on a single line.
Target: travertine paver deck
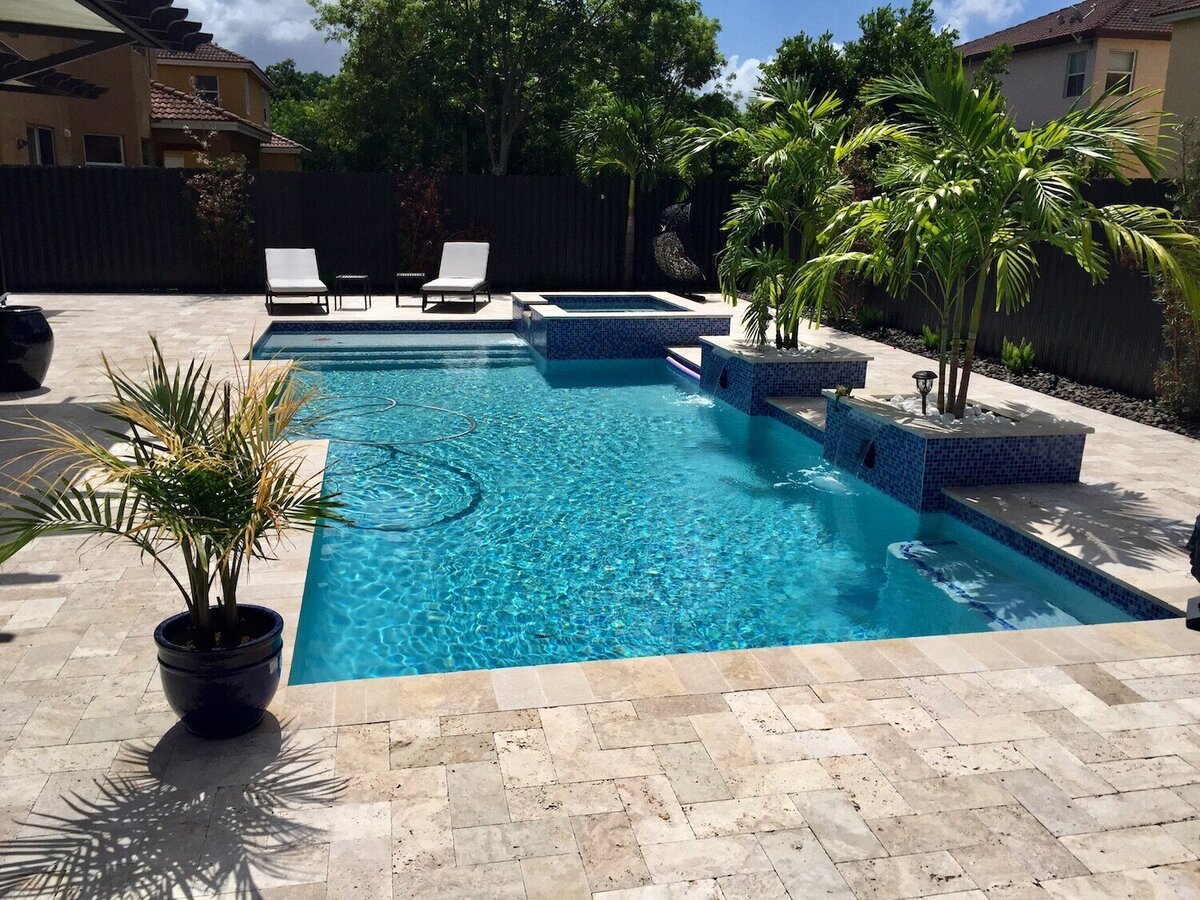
[(1061, 763)]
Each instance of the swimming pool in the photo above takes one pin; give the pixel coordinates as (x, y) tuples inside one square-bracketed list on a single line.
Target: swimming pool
[(511, 511), (626, 303)]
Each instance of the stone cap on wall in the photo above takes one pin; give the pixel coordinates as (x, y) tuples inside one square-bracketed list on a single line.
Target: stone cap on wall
[(1024, 421), (814, 351), (543, 302)]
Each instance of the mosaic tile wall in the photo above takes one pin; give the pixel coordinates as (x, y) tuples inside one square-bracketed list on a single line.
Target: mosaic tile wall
[(633, 337), (1074, 571), (396, 327), (914, 469), (746, 385)]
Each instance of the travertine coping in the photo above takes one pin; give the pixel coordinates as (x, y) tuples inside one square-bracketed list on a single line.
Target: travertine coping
[(754, 353), (1025, 420), (688, 309)]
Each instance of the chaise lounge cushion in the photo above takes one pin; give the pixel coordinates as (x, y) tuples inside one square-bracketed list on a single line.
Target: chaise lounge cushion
[(296, 285), (454, 284)]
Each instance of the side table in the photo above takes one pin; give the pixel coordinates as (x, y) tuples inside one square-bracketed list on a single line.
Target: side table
[(354, 282), (414, 279)]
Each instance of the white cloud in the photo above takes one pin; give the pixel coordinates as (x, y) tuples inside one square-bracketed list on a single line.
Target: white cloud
[(266, 31), (234, 21), (740, 77), (975, 18)]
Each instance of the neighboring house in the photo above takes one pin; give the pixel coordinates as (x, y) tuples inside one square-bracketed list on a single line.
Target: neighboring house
[(236, 85), (103, 121), (1182, 96), (1070, 57), (127, 106)]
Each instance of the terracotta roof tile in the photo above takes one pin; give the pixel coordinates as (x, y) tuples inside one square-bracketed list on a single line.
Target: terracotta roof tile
[(279, 142), (1171, 7), (1083, 20), (209, 52), (167, 104)]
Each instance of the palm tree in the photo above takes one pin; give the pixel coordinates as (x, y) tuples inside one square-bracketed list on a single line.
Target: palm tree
[(797, 158), (204, 476), (967, 198), (640, 140)]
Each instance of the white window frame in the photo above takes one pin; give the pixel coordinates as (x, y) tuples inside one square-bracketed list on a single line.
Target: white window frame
[(1082, 76), (1109, 71), (111, 165), (32, 136)]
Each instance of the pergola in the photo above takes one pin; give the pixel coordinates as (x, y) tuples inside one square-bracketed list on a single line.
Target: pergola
[(94, 26)]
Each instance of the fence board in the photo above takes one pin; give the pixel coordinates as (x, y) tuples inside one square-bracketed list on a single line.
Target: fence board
[(68, 229)]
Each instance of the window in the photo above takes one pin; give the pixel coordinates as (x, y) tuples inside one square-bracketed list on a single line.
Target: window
[(103, 150), (1076, 74), (1120, 71), (41, 145), (205, 87)]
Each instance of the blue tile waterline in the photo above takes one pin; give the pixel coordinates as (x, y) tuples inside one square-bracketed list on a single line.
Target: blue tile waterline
[(606, 509)]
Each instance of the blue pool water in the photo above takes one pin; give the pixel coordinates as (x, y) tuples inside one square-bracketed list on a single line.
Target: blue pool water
[(512, 512), (614, 303)]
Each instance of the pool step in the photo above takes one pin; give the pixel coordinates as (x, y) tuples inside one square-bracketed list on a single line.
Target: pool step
[(688, 357), (1004, 602), (413, 357), (810, 410)]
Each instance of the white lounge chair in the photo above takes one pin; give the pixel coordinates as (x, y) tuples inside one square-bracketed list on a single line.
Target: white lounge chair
[(292, 272), (463, 271)]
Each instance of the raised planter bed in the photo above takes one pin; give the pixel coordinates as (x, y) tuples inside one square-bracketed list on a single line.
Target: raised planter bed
[(744, 375), (914, 459)]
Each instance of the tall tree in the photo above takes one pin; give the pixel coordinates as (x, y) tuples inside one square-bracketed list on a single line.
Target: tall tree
[(968, 198), (299, 110), (428, 80), (891, 40), (798, 159), (638, 139)]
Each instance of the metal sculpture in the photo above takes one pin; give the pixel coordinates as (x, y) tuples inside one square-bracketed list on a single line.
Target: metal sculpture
[(669, 250)]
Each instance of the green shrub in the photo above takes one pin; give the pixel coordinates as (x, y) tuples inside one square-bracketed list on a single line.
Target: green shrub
[(869, 317), (1177, 379), (1017, 358), (930, 339)]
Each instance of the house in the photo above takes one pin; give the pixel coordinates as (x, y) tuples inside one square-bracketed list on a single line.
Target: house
[(134, 105), (236, 87), (1181, 97), (1069, 57)]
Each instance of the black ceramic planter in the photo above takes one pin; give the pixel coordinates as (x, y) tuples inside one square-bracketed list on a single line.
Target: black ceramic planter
[(26, 345), (223, 692)]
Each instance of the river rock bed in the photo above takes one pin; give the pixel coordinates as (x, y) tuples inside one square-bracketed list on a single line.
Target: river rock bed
[(1114, 402)]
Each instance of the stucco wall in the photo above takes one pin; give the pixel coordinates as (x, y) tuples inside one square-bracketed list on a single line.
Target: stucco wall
[(1037, 80), (241, 92), (124, 110), (280, 162), (1182, 97), (1036, 83)]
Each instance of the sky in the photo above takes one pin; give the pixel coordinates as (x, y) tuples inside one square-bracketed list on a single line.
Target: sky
[(751, 30)]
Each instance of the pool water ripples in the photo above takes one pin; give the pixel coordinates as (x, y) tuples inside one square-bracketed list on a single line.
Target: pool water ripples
[(594, 510)]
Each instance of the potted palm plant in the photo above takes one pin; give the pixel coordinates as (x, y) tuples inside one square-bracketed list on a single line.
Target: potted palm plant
[(203, 477)]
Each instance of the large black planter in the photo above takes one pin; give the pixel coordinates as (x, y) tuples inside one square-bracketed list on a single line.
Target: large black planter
[(223, 692), (26, 345)]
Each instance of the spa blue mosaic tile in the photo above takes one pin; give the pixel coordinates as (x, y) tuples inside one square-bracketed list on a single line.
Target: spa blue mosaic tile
[(632, 337), (746, 385), (915, 470), (1089, 579), (395, 327)]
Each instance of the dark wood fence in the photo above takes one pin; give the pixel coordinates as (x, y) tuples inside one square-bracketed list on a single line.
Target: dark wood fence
[(65, 229)]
